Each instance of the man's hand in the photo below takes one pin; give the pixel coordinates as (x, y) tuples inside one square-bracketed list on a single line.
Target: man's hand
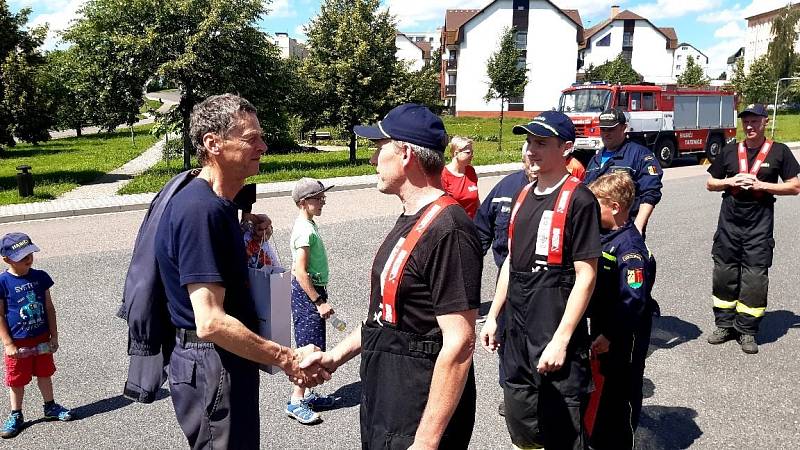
[(323, 360), (11, 350), (262, 225), (742, 180), (306, 376), (600, 345), (325, 310), (552, 358), (488, 335), (419, 446)]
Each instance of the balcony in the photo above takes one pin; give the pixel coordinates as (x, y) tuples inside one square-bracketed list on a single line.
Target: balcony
[(452, 64), (450, 90)]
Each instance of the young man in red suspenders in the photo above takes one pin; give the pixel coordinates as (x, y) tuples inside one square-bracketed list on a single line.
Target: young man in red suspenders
[(417, 343), (747, 173), (545, 284)]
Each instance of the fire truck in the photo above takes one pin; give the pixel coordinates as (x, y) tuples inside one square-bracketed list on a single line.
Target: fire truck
[(669, 119)]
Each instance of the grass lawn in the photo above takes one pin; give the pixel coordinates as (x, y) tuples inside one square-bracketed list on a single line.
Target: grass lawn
[(61, 165), (336, 164)]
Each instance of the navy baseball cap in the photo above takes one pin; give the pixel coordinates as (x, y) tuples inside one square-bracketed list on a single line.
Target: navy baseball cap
[(756, 109), (16, 246), (410, 123), (547, 124)]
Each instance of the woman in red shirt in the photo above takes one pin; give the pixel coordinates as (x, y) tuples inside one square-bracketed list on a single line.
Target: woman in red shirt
[(459, 178)]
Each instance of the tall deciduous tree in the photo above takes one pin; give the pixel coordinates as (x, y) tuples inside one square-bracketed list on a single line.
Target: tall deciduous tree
[(693, 74), (738, 77), (618, 70), (759, 86), (70, 89), (507, 75), (203, 46), (24, 107), (351, 64), (420, 86), (780, 54)]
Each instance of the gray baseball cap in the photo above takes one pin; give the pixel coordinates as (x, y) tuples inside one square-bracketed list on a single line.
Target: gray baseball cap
[(307, 187)]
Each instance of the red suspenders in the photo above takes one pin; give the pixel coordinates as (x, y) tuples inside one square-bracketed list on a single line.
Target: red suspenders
[(397, 261), (762, 155), (555, 242)]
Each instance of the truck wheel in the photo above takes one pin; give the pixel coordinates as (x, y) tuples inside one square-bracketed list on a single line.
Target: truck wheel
[(665, 152), (714, 147)]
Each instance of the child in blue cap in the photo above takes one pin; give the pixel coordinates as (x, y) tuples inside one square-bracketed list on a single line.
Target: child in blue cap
[(28, 320)]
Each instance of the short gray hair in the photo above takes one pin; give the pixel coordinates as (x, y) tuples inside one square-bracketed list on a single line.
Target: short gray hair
[(431, 161), (217, 114)]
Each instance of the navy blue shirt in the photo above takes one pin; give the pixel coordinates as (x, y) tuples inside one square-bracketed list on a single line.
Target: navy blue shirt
[(25, 301), (638, 162), (625, 277), (494, 214), (199, 240)]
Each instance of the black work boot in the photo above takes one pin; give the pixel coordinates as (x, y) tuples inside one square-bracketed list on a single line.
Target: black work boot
[(748, 343), (721, 335)]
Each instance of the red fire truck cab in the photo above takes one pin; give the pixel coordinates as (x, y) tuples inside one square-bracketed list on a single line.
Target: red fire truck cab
[(668, 119)]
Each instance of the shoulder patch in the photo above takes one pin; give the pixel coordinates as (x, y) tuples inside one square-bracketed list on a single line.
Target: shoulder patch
[(652, 170), (635, 278), (629, 256), (649, 158)]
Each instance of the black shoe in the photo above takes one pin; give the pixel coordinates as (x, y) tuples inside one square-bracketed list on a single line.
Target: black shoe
[(721, 335), (748, 343), (501, 409)]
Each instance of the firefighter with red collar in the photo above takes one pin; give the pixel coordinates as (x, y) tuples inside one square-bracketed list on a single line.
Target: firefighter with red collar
[(545, 284), (748, 175)]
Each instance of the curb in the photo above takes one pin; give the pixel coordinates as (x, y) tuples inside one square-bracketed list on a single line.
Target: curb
[(136, 202)]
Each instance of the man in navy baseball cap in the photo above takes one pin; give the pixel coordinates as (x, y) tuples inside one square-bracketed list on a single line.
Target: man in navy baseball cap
[(410, 123), (756, 109), (16, 246), (549, 123)]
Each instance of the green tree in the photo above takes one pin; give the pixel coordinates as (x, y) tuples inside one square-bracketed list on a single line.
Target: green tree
[(422, 86), (507, 75), (618, 70), (693, 74), (780, 54), (738, 77), (70, 89), (21, 98), (351, 64), (759, 86), (204, 47)]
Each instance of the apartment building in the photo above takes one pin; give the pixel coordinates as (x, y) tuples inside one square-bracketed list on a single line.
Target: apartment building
[(759, 34)]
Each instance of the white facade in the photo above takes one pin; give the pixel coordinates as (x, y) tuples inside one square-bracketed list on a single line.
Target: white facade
[(290, 48), (759, 35), (431, 37), (651, 56), (552, 56), (683, 53), (409, 52)]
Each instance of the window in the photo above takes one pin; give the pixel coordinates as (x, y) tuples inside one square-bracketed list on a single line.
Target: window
[(622, 101), (522, 39), (684, 48), (521, 63), (605, 41), (636, 101), (451, 79), (678, 67), (679, 57), (649, 102), (627, 39)]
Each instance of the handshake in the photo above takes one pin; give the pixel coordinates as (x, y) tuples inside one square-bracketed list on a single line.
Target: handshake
[(310, 367)]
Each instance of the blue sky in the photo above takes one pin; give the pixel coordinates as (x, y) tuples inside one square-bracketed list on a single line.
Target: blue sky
[(716, 27)]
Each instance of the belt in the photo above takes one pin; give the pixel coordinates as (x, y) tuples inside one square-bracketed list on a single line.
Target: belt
[(188, 337)]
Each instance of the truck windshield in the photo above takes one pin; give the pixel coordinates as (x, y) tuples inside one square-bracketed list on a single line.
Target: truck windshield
[(585, 100)]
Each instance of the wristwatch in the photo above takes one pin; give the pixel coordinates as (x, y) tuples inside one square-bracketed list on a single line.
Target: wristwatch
[(322, 298)]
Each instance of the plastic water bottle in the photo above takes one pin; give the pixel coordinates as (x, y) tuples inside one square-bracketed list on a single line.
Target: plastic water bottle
[(337, 323), (27, 352)]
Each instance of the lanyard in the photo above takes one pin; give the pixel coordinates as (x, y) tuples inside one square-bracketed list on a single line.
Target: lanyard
[(555, 241), (398, 260), (762, 155)]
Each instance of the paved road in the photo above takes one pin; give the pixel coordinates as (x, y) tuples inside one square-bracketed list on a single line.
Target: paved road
[(698, 396)]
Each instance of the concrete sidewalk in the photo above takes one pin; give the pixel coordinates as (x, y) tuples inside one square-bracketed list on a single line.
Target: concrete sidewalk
[(118, 203)]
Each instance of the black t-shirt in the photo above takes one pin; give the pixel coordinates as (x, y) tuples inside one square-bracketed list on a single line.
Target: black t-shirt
[(780, 162), (199, 240), (442, 275), (532, 229)]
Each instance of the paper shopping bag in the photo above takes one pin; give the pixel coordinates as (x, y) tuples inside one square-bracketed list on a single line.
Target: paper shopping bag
[(271, 289)]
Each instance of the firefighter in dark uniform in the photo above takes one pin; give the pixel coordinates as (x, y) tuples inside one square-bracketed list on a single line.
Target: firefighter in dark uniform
[(416, 346), (621, 154), (545, 285), (620, 314), (748, 174)]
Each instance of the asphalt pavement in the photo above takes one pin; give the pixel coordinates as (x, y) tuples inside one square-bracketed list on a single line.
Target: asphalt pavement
[(697, 395)]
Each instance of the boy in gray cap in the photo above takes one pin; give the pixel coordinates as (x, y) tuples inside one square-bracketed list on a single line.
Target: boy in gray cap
[(310, 306)]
